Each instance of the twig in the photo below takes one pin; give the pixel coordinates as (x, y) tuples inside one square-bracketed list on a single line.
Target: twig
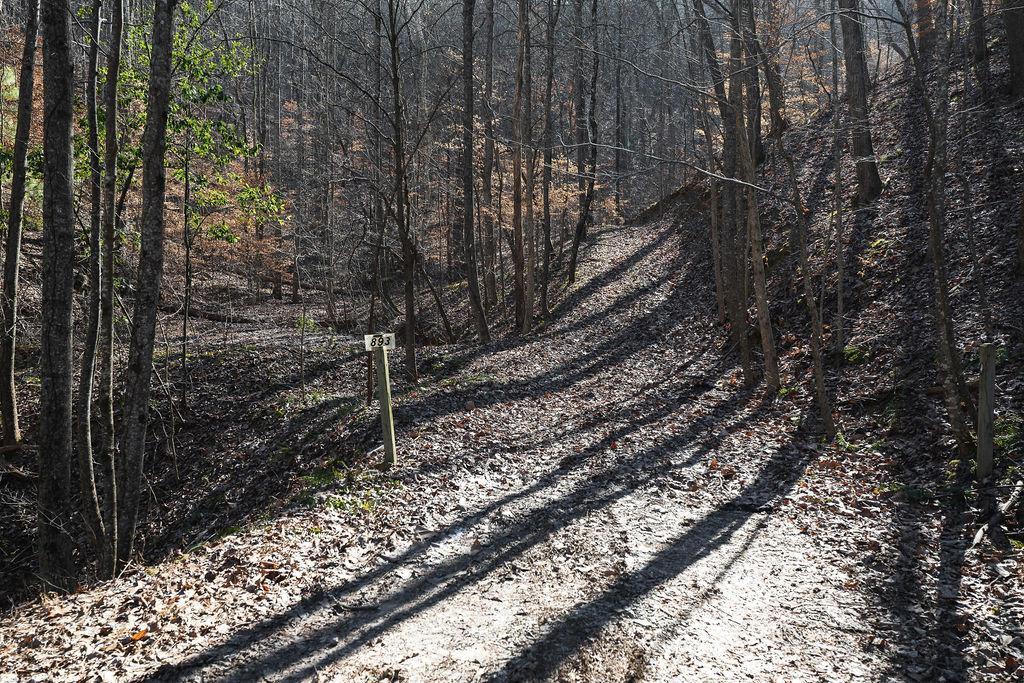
[(999, 514)]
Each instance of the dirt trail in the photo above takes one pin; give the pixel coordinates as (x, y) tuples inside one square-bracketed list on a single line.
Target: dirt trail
[(600, 501), (618, 517)]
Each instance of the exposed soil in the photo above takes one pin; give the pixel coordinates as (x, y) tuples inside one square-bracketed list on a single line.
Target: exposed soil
[(599, 501)]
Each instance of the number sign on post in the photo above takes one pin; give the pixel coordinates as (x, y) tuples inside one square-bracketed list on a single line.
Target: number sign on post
[(380, 344)]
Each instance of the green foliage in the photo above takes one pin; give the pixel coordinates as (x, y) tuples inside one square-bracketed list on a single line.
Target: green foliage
[(1009, 432), (361, 492), (201, 134), (844, 443), (220, 231), (854, 355)]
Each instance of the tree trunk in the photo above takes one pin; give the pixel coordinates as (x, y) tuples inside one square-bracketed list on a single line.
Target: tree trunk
[(734, 229), (393, 27), (12, 257), (554, 9), (1013, 18), (869, 184), (469, 247), (89, 499), (529, 253), (489, 246), (55, 433), (579, 112), (111, 212), (132, 441), (521, 130)]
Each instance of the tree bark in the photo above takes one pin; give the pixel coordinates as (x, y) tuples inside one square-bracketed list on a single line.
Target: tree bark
[(393, 28), (12, 257), (869, 184), (529, 253), (554, 9), (55, 434), (132, 441), (489, 246), (110, 214), (521, 130), (1013, 19), (89, 500), (468, 244)]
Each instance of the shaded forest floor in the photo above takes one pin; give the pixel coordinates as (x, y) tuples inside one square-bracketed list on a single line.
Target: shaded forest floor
[(600, 500)]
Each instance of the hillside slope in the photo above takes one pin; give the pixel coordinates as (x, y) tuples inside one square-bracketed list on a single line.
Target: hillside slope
[(601, 500)]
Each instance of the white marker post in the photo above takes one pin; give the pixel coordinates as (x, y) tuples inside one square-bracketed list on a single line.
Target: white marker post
[(380, 343)]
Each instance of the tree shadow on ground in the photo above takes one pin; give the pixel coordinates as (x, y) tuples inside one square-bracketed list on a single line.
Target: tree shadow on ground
[(240, 478), (466, 569), (918, 601)]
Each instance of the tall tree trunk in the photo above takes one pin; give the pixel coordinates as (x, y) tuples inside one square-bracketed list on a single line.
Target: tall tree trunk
[(521, 129), (579, 110), (89, 499), (12, 257), (469, 247), (554, 9), (839, 327), (489, 246), (110, 214), (589, 165), (731, 276), (737, 236), (393, 28), (529, 253), (55, 433), (1013, 18), (132, 441), (748, 149), (869, 184)]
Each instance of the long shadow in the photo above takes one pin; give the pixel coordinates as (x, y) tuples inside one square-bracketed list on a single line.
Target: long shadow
[(225, 504), (414, 597), (585, 363), (229, 495), (926, 638), (568, 634), (458, 360)]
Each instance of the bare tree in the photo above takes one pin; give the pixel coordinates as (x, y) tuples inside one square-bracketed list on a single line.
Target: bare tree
[(468, 245), (54, 538), (869, 184), (12, 257), (138, 373)]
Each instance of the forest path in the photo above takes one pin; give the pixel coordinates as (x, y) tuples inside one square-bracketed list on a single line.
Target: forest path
[(621, 510)]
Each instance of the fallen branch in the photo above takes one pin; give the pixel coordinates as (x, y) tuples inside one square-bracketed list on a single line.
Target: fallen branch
[(999, 514), (208, 315), (14, 448)]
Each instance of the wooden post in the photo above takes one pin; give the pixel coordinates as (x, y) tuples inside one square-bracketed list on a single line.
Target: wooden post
[(379, 345), (986, 411)]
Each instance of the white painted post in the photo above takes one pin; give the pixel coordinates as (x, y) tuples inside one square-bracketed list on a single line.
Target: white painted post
[(380, 344)]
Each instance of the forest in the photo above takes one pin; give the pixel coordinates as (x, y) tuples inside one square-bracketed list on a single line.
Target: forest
[(708, 357)]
